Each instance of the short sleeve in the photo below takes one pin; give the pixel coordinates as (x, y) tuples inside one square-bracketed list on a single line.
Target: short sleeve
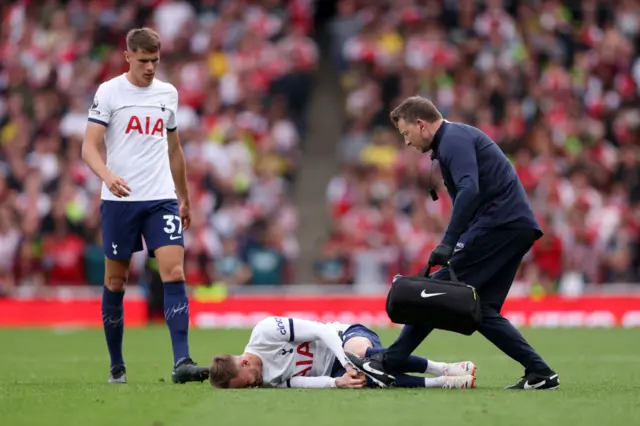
[(172, 124), (100, 110)]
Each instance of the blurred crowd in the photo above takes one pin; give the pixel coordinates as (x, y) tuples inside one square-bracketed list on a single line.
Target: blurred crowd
[(555, 83), (243, 70)]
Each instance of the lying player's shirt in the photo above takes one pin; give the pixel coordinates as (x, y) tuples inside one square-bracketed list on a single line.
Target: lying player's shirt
[(297, 353), (137, 120)]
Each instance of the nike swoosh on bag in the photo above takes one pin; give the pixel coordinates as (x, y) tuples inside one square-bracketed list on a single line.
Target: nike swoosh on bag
[(424, 294)]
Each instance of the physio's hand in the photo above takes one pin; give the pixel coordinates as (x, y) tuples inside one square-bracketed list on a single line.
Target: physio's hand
[(117, 186), (440, 255), (351, 379)]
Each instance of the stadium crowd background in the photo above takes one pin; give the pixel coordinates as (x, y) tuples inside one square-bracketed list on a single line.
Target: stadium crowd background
[(555, 83), (242, 71)]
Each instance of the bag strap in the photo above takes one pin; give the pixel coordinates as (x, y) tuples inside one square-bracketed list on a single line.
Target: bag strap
[(454, 277)]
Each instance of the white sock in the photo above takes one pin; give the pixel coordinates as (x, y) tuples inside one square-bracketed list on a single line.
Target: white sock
[(434, 382), (435, 368)]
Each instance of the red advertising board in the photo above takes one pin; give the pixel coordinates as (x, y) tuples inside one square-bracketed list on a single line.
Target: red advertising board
[(244, 311), (64, 313)]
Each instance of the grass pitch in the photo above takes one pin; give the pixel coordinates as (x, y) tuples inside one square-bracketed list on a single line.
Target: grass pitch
[(58, 377)]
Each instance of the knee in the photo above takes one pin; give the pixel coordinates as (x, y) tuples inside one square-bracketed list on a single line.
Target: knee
[(489, 311), (358, 345), (491, 318), (172, 273), (116, 283)]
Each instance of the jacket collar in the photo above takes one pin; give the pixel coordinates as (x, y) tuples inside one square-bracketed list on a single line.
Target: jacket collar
[(437, 138)]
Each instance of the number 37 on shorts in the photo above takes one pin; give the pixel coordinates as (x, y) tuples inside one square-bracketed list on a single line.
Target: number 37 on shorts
[(125, 223)]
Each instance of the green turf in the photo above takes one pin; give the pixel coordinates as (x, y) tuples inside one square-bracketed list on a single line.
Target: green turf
[(55, 378)]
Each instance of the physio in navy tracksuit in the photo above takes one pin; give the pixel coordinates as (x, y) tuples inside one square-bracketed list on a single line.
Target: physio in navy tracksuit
[(492, 227)]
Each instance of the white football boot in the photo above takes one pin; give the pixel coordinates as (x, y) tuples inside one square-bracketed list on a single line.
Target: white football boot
[(463, 368), (459, 382)]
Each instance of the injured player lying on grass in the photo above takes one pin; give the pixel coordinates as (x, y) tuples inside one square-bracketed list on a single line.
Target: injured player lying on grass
[(295, 353)]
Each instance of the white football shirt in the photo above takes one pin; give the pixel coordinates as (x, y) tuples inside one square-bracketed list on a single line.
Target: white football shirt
[(137, 120), (291, 348)]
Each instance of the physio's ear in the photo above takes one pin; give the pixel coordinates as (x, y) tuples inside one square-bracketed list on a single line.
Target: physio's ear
[(420, 123)]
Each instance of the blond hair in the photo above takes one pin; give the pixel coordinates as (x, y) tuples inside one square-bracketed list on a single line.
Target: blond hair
[(222, 370)]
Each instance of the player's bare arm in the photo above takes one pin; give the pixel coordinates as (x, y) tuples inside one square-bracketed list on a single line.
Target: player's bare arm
[(93, 141), (179, 174)]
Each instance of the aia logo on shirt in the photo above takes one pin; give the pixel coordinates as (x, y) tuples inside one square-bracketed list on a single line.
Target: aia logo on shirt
[(304, 359), (145, 126)]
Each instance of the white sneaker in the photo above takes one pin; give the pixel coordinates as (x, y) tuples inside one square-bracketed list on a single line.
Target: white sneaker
[(463, 368), (459, 382)]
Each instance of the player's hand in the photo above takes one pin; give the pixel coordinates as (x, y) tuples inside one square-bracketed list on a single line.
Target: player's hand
[(117, 186), (440, 255), (349, 369), (185, 215), (354, 373), (351, 380)]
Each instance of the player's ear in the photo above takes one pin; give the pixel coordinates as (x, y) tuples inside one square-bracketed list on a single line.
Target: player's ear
[(245, 363), (126, 57)]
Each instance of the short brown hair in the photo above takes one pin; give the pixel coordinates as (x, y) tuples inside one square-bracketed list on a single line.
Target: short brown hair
[(144, 39), (414, 108), (222, 370)]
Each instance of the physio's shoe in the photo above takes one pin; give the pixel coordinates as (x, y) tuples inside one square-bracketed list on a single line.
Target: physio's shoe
[(463, 368), (117, 374), (188, 371), (459, 382), (372, 368), (537, 381)]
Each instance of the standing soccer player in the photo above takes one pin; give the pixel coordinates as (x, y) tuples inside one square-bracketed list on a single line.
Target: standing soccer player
[(135, 115), (492, 227)]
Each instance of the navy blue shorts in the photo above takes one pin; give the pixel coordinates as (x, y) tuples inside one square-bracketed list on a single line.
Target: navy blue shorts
[(359, 330), (356, 330), (125, 223)]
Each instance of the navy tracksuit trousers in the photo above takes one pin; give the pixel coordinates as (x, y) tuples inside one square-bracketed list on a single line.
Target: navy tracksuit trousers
[(488, 260)]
